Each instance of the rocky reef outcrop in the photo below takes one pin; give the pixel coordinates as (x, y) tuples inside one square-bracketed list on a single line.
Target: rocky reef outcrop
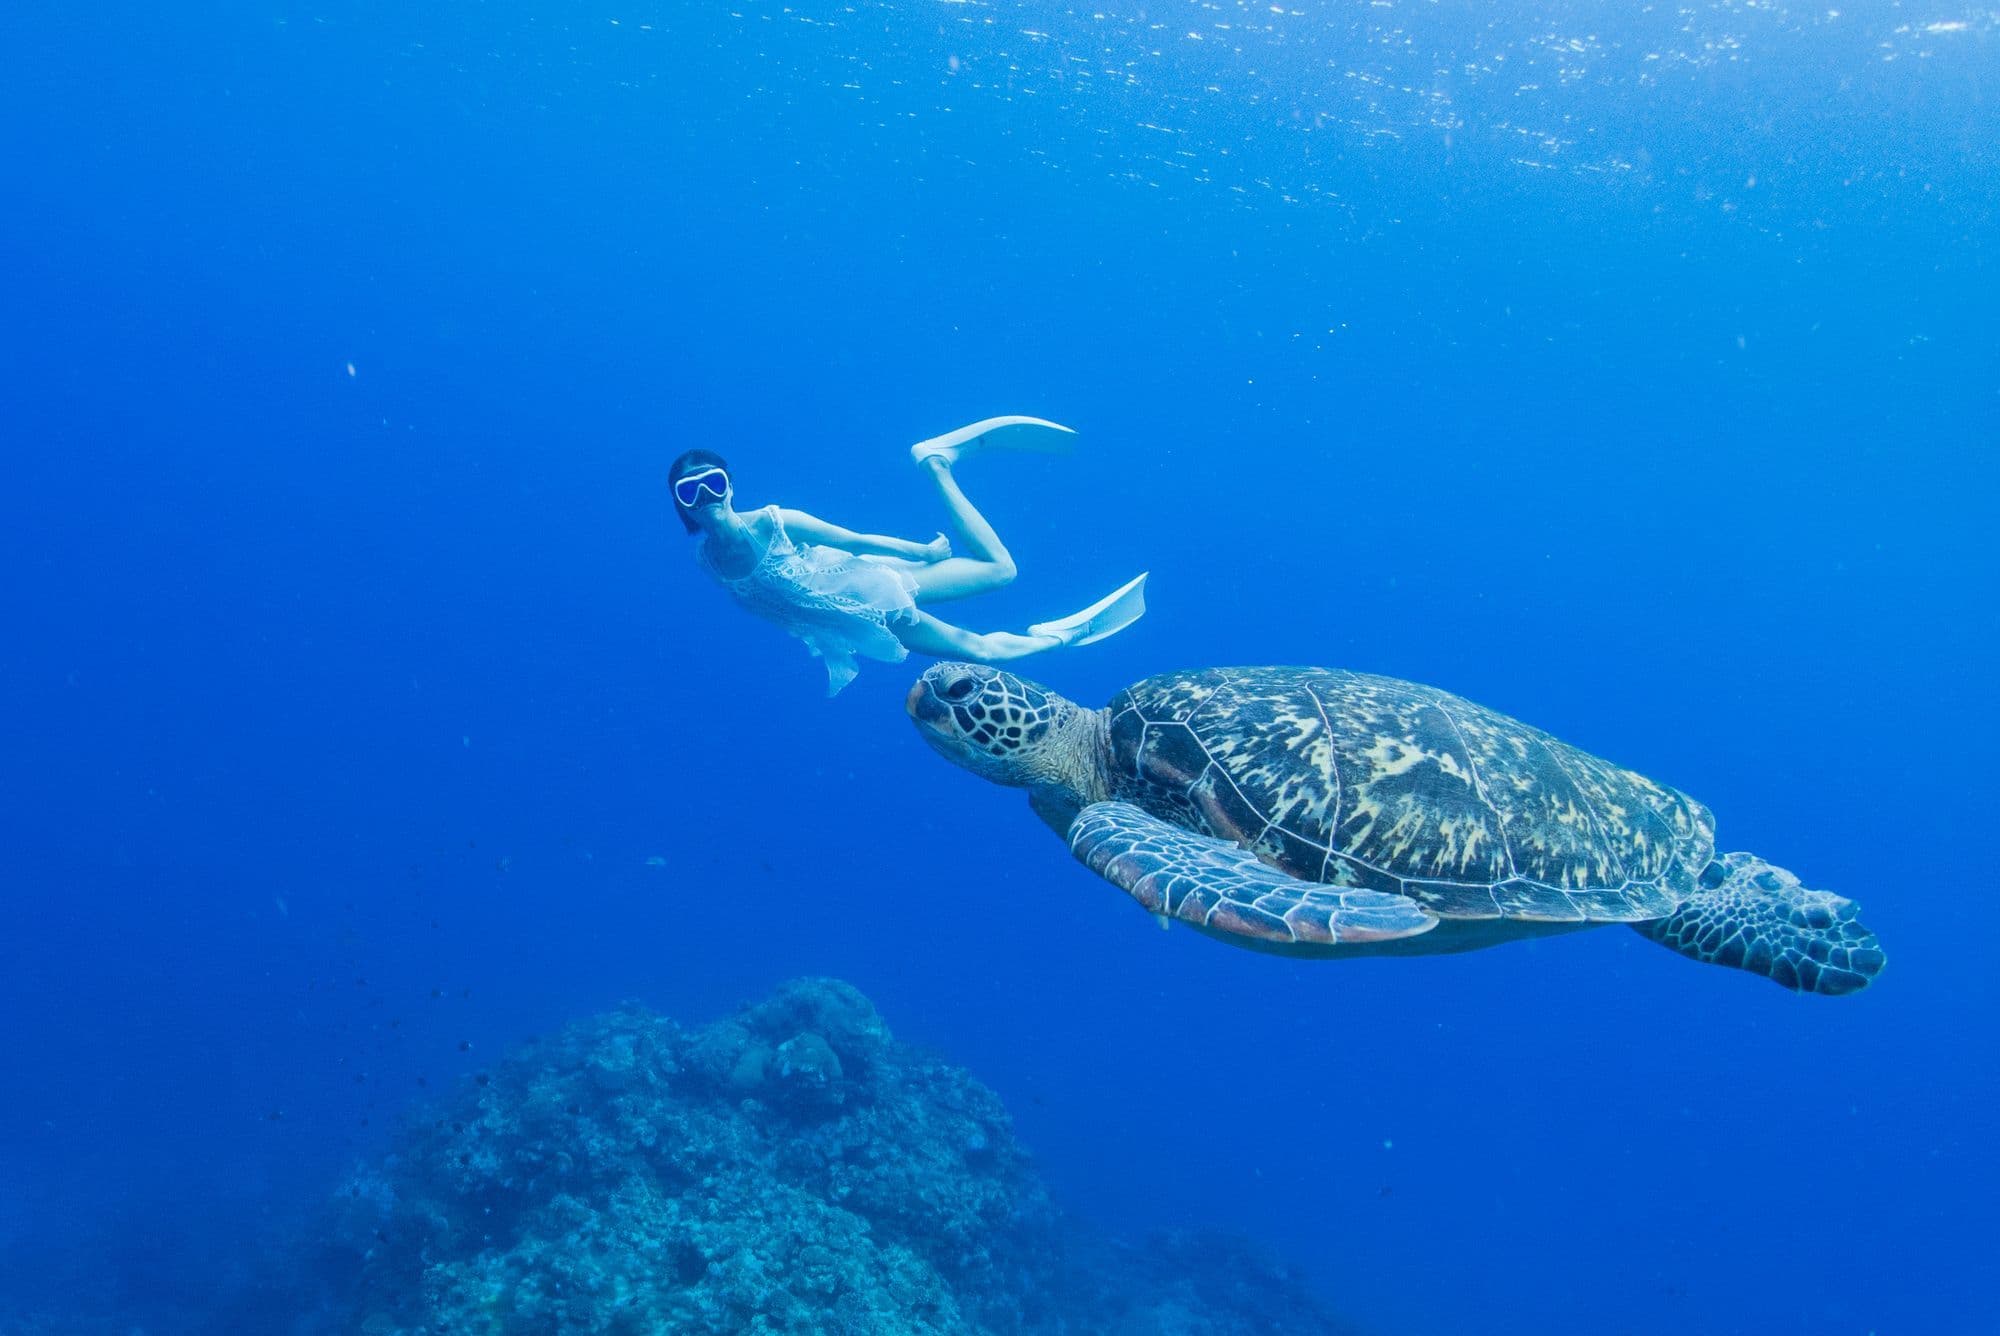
[(792, 1168)]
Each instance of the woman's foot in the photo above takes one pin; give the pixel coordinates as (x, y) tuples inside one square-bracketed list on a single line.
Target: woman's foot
[(1106, 617), (1006, 433)]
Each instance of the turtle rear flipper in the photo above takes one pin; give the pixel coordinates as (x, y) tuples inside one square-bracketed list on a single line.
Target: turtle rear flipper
[(1758, 917), (1215, 885)]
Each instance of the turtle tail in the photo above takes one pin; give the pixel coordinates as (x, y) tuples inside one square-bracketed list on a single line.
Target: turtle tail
[(1757, 917)]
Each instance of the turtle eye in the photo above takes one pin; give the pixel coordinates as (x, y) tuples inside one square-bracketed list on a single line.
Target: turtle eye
[(959, 690)]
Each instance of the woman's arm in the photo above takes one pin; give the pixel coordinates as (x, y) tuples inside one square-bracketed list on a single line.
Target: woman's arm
[(811, 529)]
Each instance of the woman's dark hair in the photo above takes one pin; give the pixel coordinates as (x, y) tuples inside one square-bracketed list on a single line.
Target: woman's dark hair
[(692, 461)]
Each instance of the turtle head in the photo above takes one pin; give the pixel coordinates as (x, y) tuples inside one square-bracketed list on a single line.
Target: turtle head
[(1006, 729)]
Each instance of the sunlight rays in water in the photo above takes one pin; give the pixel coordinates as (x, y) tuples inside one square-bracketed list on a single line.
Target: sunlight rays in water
[(1285, 103)]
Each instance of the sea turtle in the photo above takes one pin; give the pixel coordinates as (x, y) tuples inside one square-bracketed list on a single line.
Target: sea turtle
[(1310, 811)]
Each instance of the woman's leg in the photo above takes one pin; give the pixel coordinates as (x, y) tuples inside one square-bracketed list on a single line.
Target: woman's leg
[(986, 563), (941, 640)]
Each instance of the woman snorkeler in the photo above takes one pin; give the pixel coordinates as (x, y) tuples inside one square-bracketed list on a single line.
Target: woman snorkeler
[(848, 594)]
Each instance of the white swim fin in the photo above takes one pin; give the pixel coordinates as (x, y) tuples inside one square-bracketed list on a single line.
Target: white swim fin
[(1003, 433), (1106, 617)]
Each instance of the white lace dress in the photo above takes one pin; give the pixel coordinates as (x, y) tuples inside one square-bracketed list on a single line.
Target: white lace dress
[(840, 604)]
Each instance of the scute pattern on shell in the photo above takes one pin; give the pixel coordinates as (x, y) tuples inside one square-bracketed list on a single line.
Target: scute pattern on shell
[(1355, 780)]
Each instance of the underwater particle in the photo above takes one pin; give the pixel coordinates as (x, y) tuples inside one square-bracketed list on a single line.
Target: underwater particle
[(654, 860), (1388, 1144), (465, 1046), (350, 371)]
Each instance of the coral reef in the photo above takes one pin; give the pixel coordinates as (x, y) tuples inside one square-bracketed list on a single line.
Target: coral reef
[(790, 1169)]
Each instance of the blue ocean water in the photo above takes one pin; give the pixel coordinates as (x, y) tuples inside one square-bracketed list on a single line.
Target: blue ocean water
[(1628, 369)]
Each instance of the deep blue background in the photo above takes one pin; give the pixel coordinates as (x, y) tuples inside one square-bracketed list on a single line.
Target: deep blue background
[(342, 712)]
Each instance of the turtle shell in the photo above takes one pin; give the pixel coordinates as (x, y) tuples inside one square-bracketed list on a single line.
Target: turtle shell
[(1354, 780)]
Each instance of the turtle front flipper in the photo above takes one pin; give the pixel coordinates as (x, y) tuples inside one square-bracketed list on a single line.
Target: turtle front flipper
[(1215, 885), (1757, 917)]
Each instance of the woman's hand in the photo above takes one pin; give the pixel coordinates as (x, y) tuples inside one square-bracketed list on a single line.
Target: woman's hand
[(806, 528)]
